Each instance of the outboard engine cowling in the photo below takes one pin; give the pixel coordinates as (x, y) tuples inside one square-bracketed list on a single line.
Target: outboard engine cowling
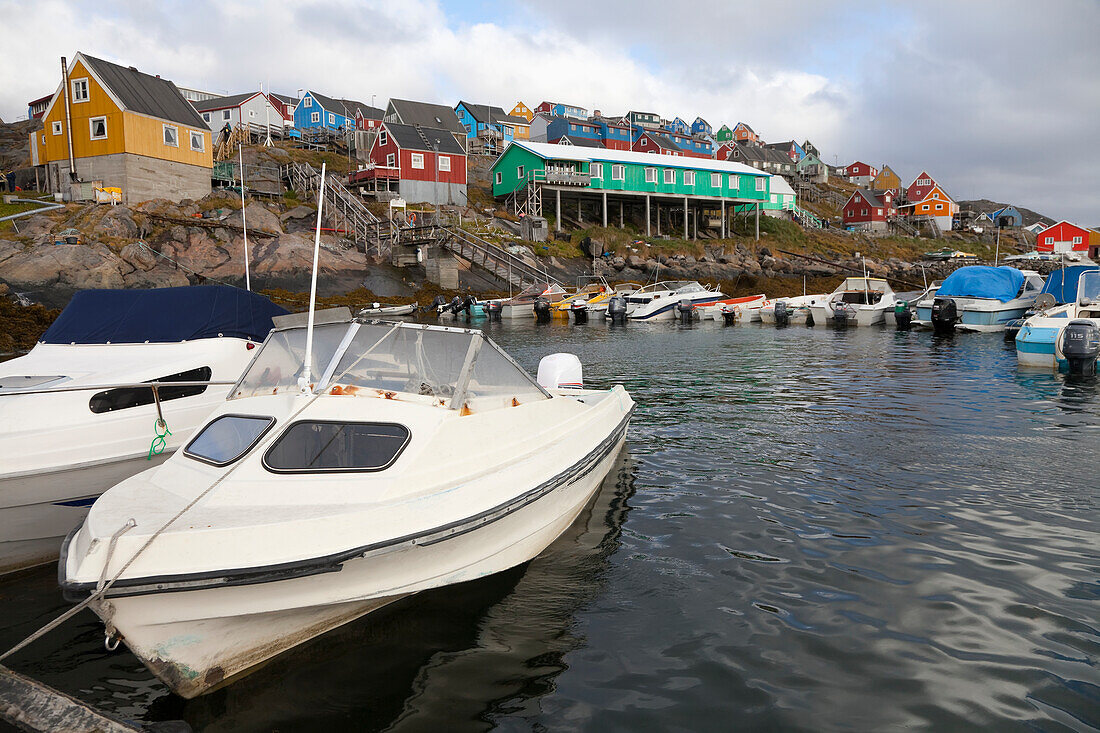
[(685, 310), (468, 304), (455, 306), (729, 314), (579, 311), (945, 314), (903, 317), (542, 310), (616, 309), (842, 315), (1081, 347), (493, 310), (439, 305), (782, 315), (560, 370)]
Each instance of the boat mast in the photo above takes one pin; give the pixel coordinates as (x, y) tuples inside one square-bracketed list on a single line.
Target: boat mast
[(303, 381), (244, 224)]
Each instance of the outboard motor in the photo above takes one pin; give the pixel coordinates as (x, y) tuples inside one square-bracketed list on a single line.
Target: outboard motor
[(439, 305), (945, 314), (685, 310), (559, 371), (1081, 347), (542, 310), (903, 317), (579, 309), (616, 309), (468, 304), (455, 306), (809, 319), (493, 310), (729, 314), (842, 315), (782, 315)]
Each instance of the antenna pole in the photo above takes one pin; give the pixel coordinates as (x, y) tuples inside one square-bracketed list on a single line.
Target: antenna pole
[(244, 224), (303, 382)]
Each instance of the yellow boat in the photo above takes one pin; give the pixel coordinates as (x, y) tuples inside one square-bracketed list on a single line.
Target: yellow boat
[(596, 288)]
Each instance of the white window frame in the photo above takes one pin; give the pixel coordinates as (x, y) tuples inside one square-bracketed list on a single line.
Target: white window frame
[(175, 135), (1077, 240), (689, 178), (332, 118), (201, 138), (863, 212), (383, 138), (444, 162), (878, 212), (206, 117), (57, 127), (595, 170), (307, 102), (618, 172), (670, 176), (715, 180), (416, 160), (91, 128), (499, 178), (389, 160), (251, 113), (315, 117), (939, 207), (734, 182), (650, 175), (1049, 240), (227, 114), (761, 184), (77, 84), (519, 172)]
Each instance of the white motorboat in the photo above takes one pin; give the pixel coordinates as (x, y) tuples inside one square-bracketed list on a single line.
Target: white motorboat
[(659, 300), (980, 298), (1071, 293), (389, 311), (598, 306), (797, 308), (858, 301), (406, 457), (74, 418), (745, 309), (522, 305)]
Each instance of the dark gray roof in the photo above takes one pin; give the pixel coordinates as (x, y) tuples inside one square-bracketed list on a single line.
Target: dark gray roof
[(334, 104), (145, 94), (747, 153), (776, 156), (439, 140), (868, 195), (663, 141), (488, 114), (780, 146), (582, 142), (286, 99), (426, 114), (232, 100)]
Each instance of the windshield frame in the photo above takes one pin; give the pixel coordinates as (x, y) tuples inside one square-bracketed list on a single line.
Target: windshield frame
[(251, 446)]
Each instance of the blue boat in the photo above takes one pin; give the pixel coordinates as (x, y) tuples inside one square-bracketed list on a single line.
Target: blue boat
[(981, 298), (1070, 293)]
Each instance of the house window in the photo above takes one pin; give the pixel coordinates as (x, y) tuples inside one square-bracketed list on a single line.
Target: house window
[(57, 128), (670, 175), (98, 128), (519, 171), (689, 178), (225, 114), (650, 175), (596, 170), (618, 172), (198, 141), (331, 118), (715, 180), (389, 160), (1077, 240), (935, 195), (418, 160), (383, 138), (80, 90), (307, 102), (499, 178), (761, 184), (939, 207), (205, 116), (863, 212), (171, 136), (878, 212), (444, 162), (251, 113), (315, 117), (1050, 240)]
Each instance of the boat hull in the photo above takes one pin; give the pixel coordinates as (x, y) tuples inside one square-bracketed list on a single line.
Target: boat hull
[(38, 510), (197, 640), (989, 320), (864, 316)]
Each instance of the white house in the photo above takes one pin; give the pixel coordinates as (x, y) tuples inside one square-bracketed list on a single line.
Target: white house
[(250, 108)]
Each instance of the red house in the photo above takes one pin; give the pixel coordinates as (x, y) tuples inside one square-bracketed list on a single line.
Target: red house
[(861, 173), (423, 164), (1064, 237), (722, 152), (868, 210), (921, 186), (651, 142)]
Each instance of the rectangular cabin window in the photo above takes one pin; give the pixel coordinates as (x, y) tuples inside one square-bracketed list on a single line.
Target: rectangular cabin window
[(760, 184), (123, 398), (863, 212), (57, 129), (198, 141), (716, 180), (80, 90), (323, 446), (314, 116), (98, 128), (227, 437), (595, 170), (171, 136), (499, 178), (389, 160), (618, 172), (650, 175), (689, 178), (383, 138), (444, 162), (1050, 240), (878, 212), (226, 114)]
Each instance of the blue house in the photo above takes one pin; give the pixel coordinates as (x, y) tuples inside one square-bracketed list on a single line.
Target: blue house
[(574, 129), (678, 126), (477, 118), (316, 110), (1009, 216), (559, 109), (702, 127)]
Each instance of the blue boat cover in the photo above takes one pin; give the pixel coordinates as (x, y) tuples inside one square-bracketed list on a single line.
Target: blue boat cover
[(162, 315), (1062, 283), (980, 281)]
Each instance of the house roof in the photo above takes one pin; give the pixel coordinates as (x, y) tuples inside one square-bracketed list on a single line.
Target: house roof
[(438, 139), (285, 98), (746, 126), (144, 93), (663, 140), (607, 155), (426, 114), (779, 185), (40, 100), (334, 104), (491, 115), (867, 195), (581, 141), (233, 100), (748, 152)]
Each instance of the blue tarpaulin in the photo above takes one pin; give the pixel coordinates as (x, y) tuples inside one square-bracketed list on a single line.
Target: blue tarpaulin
[(162, 315), (1062, 283), (981, 281)]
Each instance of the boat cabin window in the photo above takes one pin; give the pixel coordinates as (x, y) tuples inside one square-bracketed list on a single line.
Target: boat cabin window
[(123, 398), (1088, 288), (861, 297), (227, 438), (336, 446)]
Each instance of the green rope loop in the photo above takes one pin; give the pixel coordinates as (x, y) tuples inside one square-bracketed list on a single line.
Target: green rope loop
[(159, 443)]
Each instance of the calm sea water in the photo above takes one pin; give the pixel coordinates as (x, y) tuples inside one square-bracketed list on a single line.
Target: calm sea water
[(808, 530)]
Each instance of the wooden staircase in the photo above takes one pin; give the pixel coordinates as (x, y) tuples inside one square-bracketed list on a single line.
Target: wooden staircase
[(493, 258), (343, 209)]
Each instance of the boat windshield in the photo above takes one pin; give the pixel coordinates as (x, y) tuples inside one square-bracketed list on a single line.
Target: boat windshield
[(447, 367), (1088, 288)]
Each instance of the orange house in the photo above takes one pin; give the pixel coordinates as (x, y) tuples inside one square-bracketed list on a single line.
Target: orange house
[(522, 110), (113, 126), (936, 205)]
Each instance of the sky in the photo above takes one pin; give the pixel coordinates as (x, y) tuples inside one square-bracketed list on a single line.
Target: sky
[(996, 99)]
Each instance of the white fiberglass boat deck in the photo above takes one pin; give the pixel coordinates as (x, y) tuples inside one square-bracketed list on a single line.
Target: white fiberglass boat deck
[(406, 458), (858, 301), (658, 300)]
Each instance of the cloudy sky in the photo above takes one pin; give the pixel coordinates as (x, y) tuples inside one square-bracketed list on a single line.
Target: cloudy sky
[(997, 99)]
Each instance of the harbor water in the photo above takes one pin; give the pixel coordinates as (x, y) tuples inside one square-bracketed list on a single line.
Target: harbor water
[(808, 529)]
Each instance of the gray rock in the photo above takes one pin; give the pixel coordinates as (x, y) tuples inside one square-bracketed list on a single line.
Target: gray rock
[(636, 262), (138, 257), (118, 222), (257, 217), (618, 263)]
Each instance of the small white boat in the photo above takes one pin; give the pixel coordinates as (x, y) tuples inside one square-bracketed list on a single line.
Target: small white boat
[(798, 308), (522, 305), (746, 309), (385, 311), (659, 300), (1071, 293), (74, 418), (407, 457), (858, 301)]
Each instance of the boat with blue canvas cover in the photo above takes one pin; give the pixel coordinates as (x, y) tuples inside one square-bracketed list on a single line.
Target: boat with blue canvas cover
[(981, 298), (1071, 293), (77, 416)]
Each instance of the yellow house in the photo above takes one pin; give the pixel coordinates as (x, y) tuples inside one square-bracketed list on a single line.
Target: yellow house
[(886, 180), (115, 126), (522, 110)]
